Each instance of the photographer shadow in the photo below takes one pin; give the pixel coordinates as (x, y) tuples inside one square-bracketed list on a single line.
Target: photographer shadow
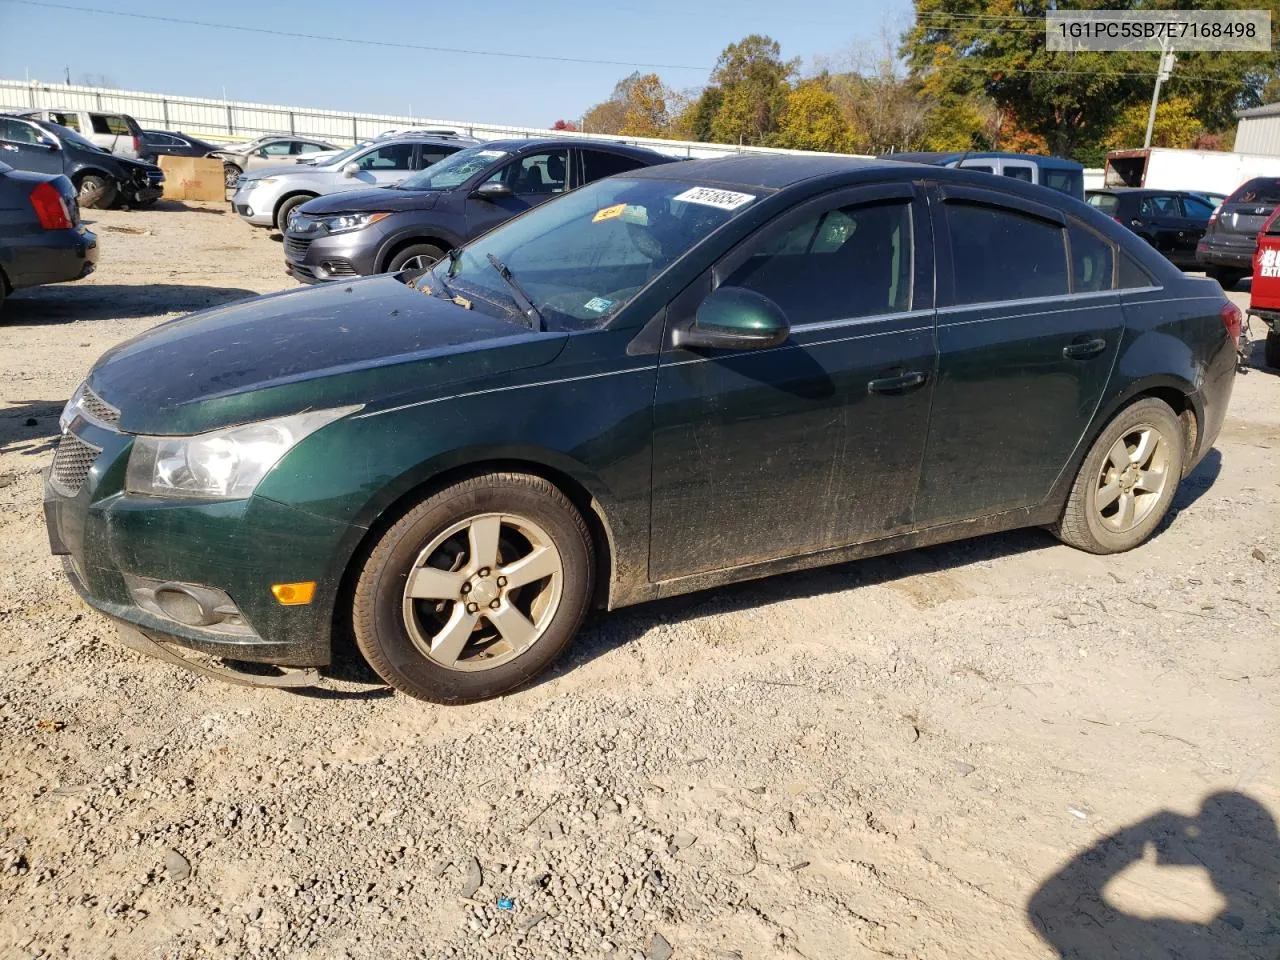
[(1233, 837)]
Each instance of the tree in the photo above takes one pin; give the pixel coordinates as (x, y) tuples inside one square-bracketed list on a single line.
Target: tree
[(605, 117), (563, 125), (959, 51), (636, 108), (754, 81), (694, 121), (1176, 125), (811, 120)]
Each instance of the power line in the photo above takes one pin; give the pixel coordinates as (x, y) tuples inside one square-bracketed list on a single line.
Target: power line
[(351, 40)]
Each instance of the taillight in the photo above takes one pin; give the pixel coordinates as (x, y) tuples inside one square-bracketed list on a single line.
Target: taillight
[(1232, 319), (50, 208)]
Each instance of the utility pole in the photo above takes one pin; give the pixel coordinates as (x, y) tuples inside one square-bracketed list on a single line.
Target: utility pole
[(68, 72), (1167, 60)]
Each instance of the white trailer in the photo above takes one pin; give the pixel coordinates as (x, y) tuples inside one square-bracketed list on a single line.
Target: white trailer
[(1204, 171)]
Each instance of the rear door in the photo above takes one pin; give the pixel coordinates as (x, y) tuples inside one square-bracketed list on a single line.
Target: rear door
[(532, 179), (1029, 325), (20, 147), (1195, 218), (1159, 223)]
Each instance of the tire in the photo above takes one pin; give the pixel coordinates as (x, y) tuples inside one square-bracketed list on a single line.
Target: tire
[(440, 647), (95, 192), (230, 174), (429, 253), (142, 204), (1271, 353), (290, 203), (1226, 276), (1097, 524)]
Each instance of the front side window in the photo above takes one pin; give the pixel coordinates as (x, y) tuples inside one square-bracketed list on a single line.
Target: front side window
[(15, 131), (536, 174), (393, 156), (278, 148), (999, 254), (584, 257), (1092, 260), (846, 262)]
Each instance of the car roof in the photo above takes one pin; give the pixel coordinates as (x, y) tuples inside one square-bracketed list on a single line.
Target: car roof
[(533, 143), (777, 171), (939, 157)]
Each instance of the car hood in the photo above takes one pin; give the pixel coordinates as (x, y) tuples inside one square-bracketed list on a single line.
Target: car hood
[(283, 170), (377, 198), (371, 341)]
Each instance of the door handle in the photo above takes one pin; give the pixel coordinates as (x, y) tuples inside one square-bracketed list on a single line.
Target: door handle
[(1084, 349), (899, 384)]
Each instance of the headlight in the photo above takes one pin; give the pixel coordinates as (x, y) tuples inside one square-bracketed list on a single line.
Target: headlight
[(342, 222), (251, 184), (223, 464)]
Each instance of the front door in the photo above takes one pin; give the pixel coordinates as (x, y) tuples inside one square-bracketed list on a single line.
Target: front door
[(1028, 329), (532, 179), (22, 149), (760, 454)]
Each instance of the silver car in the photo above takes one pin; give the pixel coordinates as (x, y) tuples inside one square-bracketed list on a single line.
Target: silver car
[(266, 197), (269, 151)]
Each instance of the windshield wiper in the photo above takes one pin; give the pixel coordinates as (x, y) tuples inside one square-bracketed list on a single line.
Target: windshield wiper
[(530, 311)]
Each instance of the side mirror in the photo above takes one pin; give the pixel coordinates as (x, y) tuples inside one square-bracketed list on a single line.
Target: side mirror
[(735, 318), (351, 169), (492, 191)]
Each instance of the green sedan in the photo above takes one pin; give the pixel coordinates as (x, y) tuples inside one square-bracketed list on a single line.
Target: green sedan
[(664, 381)]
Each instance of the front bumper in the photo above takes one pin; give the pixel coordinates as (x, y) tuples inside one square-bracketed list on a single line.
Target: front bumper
[(332, 256), (256, 205), (238, 547), (52, 256)]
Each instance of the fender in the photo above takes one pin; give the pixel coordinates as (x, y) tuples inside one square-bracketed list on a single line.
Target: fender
[(416, 233)]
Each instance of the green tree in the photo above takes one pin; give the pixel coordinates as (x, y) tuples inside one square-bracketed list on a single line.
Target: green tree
[(754, 81), (811, 120), (1176, 125)]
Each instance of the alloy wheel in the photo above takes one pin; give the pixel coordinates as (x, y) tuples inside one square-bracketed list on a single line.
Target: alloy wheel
[(483, 591), (1132, 478)]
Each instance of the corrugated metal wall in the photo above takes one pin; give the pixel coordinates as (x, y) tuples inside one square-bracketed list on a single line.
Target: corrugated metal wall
[(1258, 135)]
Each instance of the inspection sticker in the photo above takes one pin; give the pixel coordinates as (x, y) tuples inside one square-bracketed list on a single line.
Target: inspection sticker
[(710, 197), (608, 213), (597, 305)]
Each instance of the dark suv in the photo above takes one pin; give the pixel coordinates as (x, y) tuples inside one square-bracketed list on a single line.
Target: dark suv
[(418, 220), (100, 178), (1226, 251)]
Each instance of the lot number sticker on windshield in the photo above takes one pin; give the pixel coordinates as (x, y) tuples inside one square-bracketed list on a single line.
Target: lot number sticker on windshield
[(710, 197)]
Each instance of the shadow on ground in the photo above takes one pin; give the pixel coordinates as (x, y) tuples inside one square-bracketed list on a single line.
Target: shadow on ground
[(69, 302), (17, 429), (1232, 837)]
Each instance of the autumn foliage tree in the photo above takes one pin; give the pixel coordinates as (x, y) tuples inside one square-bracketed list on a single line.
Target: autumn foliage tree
[(811, 119)]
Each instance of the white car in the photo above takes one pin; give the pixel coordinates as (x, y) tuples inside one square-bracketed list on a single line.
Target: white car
[(116, 133)]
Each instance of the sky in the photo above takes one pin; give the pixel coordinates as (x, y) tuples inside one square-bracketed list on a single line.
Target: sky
[(40, 42)]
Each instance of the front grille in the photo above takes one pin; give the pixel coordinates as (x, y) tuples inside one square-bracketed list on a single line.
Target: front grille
[(296, 248), (99, 409), (71, 463)]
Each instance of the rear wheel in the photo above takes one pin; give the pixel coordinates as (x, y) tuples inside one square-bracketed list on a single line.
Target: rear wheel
[(1126, 482), (474, 590), (417, 257), (231, 173), (95, 192), (1272, 352), (287, 207)]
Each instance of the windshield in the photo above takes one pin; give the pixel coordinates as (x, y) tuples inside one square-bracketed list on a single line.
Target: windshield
[(584, 256), (67, 134), (452, 170)]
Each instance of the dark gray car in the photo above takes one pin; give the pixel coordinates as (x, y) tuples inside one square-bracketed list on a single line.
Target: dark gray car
[(1226, 249), (41, 237), (418, 220)]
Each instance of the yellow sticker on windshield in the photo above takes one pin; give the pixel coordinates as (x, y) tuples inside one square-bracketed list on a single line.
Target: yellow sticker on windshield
[(608, 213)]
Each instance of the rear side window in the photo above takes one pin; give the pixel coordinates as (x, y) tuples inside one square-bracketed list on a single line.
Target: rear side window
[(1000, 254), (1070, 182), (304, 147), (596, 165), (434, 154), (1019, 172), (1259, 190), (69, 120), (1159, 206), (1196, 208), (109, 123), (277, 148), (1093, 260), (1108, 203), (394, 156)]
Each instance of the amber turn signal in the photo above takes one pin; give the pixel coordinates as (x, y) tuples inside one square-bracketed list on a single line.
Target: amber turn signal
[(294, 594)]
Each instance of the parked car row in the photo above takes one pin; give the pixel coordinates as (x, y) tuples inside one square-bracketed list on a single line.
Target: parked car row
[(42, 239)]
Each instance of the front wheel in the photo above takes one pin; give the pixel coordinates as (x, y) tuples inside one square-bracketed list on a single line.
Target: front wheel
[(417, 257), (1126, 482), (474, 590), (230, 174), (287, 207), (95, 192)]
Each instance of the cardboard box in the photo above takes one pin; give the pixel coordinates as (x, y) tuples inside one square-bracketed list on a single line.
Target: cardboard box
[(193, 178)]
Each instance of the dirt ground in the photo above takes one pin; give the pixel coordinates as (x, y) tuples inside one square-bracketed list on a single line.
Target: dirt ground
[(935, 754)]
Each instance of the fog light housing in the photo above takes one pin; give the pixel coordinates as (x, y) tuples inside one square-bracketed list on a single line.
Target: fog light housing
[(190, 604)]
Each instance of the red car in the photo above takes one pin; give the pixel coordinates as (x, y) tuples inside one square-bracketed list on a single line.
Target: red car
[(1264, 297)]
